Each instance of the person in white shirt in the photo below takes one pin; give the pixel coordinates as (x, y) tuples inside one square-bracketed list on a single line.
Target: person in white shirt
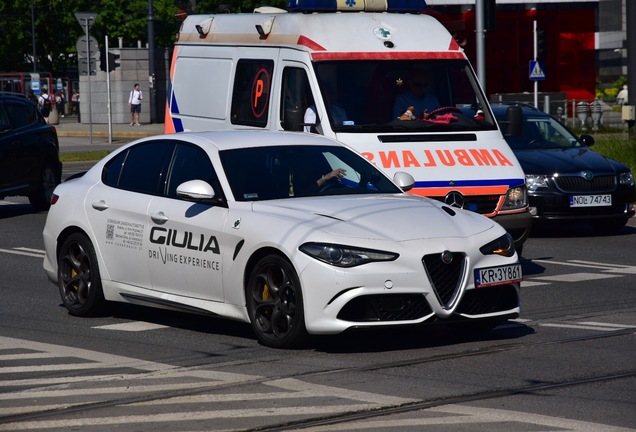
[(622, 96), (134, 101)]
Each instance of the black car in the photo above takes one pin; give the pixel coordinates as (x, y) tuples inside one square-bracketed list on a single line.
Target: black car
[(29, 152), (566, 180)]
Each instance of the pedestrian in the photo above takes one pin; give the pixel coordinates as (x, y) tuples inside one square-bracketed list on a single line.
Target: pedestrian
[(621, 97), (33, 97), (134, 101), (59, 103), (75, 102), (45, 104)]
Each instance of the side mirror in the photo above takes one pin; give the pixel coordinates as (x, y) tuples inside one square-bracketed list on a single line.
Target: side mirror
[(404, 180), (195, 190), (293, 120), (514, 120), (587, 140)]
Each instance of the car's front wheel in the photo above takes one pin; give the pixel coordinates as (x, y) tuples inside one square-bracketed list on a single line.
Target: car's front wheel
[(78, 277), (275, 303)]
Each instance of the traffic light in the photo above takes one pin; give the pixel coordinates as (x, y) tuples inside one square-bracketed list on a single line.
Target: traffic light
[(540, 43), (113, 60), (490, 15), (102, 59)]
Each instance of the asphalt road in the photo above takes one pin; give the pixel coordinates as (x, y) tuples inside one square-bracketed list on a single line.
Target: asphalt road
[(567, 364)]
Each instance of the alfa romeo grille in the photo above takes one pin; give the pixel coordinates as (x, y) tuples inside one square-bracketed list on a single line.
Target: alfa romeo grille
[(576, 183), (445, 277)]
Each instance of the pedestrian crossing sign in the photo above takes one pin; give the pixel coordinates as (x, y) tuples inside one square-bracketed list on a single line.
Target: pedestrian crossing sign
[(537, 70)]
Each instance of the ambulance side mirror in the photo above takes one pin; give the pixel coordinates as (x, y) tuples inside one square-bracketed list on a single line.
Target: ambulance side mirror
[(293, 120), (514, 121)]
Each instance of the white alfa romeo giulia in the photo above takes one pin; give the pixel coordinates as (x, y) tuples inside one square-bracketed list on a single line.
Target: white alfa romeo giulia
[(294, 233)]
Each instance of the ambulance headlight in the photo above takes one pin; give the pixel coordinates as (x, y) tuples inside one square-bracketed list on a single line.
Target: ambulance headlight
[(516, 198)]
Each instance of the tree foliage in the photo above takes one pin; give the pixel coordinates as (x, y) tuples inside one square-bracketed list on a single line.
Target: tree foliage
[(57, 29)]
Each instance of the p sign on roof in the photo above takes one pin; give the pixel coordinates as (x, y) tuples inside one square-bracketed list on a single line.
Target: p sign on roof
[(537, 69)]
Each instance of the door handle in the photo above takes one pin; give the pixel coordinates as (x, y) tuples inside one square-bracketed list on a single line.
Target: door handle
[(159, 217), (100, 205)]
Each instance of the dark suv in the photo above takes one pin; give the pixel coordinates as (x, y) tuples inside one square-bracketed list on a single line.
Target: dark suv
[(567, 181), (29, 152)]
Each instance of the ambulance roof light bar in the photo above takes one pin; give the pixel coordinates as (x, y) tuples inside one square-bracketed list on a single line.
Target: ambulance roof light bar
[(400, 6)]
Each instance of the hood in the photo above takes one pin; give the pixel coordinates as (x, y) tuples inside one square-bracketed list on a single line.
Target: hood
[(384, 217), (569, 160)]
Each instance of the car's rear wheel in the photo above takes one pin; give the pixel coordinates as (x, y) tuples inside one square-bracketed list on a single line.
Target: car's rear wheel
[(78, 277), (49, 179), (275, 303)]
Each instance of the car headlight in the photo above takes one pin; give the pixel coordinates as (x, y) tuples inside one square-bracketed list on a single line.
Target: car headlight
[(516, 198), (345, 256), (626, 179), (503, 246), (534, 181)]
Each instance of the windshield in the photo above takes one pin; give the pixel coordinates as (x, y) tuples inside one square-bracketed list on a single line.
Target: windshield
[(402, 96), (543, 133), (262, 173)]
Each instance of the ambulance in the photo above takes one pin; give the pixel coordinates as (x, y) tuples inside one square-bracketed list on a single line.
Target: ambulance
[(378, 75)]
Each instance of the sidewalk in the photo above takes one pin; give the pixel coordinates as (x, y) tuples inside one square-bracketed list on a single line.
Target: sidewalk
[(69, 127)]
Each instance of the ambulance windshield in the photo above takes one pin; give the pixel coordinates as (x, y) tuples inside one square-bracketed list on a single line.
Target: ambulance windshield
[(400, 96)]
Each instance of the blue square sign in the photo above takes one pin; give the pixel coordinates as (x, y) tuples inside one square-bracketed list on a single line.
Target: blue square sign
[(537, 70)]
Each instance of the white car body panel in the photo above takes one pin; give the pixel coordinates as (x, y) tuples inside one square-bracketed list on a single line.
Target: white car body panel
[(205, 270)]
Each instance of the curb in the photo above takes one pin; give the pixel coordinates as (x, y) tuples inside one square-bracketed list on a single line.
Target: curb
[(102, 134)]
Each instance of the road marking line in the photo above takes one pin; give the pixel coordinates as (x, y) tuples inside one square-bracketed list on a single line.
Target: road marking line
[(17, 252), (616, 326), (25, 249), (575, 277), (601, 264), (531, 283), (134, 326), (580, 326), (574, 264)]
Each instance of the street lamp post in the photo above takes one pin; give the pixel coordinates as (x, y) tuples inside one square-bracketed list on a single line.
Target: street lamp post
[(151, 63), (35, 62)]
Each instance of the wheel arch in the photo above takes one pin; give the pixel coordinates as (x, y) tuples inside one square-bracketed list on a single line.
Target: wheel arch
[(254, 259), (66, 233)]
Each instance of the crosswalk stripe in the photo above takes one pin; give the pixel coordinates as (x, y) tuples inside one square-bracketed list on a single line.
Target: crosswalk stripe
[(133, 326), (582, 326)]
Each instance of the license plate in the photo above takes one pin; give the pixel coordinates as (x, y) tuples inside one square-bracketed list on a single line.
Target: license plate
[(498, 275), (590, 200)]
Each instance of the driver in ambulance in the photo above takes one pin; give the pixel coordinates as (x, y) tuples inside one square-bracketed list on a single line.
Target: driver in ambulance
[(418, 94)]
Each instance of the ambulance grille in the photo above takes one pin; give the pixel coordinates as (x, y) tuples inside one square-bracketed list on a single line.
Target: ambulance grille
[(482, 204), (445, 278), (575, 184)]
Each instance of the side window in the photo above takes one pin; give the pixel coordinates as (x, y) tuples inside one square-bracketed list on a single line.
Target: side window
[(17, 114), (4, 120), (252, 87), (140, 168), (296, 97), (190, 163)]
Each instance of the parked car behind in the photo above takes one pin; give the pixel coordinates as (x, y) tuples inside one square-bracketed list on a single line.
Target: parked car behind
[(567, 181), (29, 152)]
